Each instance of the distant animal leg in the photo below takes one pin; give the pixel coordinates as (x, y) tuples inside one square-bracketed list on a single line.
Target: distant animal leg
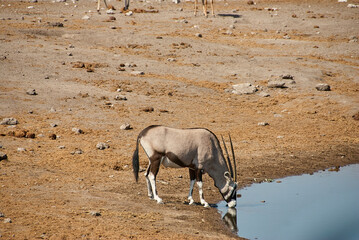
[(127, 4), (153, 170), (192, 176), (200, 188), (212, 7), (149, 187), (204, 3), (195, 7), (98, 5)]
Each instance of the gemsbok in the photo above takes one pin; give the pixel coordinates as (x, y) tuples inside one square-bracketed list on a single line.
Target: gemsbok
[(204, 5), (195, 148), (127, 5)]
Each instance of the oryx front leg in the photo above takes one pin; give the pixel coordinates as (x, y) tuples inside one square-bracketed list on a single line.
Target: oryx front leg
[(200, 188), (192, 176)]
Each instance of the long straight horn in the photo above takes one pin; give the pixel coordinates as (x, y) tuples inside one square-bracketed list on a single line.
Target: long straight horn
[(229, 165), (234, 159)]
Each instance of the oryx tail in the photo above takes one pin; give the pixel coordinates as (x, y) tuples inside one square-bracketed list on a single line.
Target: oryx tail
[(135, 161)]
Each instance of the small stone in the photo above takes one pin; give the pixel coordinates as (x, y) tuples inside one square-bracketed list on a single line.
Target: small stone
[(244, 88), (176, 1), (30, 135), (70, 54), (137, 73), (276, 84), (113, 27), (3, 156), (20, 149), (102, 146), (278, 115), (53, 136), (2, 215), (322, 87), (264, 94), (9, 121), (86, 17), (198, 35), (120, 98), (52, 109), (112, 18), (352, 6), (263, 124), (125, 126), (148, 109), (31, 92), (53, 125), (77, 130), (95, 213), (7, 220), (110, 11), (129, 13), (171, 59), (61, 147), (77, 151)]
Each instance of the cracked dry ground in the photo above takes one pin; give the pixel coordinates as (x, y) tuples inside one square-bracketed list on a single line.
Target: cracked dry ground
[(47, 192)]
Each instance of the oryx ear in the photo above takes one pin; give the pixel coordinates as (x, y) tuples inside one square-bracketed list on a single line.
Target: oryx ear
[(227, 176)]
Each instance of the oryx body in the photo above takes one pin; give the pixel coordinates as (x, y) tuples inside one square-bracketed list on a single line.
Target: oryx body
[(197, 149)]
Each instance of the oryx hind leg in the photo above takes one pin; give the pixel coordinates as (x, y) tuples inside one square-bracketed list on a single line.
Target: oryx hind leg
[(149, 187), (154, 166)]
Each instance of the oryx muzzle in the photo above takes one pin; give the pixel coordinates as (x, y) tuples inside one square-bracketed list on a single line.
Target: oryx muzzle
[(197, 149)]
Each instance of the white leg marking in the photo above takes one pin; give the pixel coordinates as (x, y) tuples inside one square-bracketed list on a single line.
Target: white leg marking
[(200, 190), (191, 185), (153, 185)]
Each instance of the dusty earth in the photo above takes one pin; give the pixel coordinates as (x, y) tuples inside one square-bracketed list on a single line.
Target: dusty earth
[(189, 64)]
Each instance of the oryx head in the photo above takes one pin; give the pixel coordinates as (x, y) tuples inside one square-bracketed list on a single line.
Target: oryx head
[(229, 191)]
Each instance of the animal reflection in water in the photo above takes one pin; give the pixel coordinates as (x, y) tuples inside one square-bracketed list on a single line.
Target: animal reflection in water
[(195, 148), (230, 219)]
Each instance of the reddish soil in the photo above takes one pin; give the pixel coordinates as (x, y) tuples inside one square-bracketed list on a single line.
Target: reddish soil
[(50, 193)]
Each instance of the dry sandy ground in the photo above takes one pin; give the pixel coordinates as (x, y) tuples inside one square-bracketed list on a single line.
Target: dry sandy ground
[(50, 193)]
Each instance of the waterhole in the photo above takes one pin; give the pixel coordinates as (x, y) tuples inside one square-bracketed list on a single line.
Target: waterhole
[(322, 206)]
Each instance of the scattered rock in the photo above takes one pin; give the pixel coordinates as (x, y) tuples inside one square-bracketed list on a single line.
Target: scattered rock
[(322, 87), (53, 125), (176, 1), (102, 146), (137, 73), (276, 84), (356, 116), (110, 11), (112, 18), (52, 109), (3, 156), (61, 147), (53, 136), (7, 220), (264, 94), (129, 13), (55, 24), (9, 121), (2, 214), (95, 213), (244, 88), (77, 130), (147, 109), (30, 135), (198, 35), (263, 124), (121, 98), (77, 151), (20, 149), (86, 17), (250, 2), (31, 92), (125, 126), (352, 6)]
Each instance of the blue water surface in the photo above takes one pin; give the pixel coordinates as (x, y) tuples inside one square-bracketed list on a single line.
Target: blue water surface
[(322, 206)]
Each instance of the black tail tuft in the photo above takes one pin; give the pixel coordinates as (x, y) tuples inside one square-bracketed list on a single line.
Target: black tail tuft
[(135, 162)]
